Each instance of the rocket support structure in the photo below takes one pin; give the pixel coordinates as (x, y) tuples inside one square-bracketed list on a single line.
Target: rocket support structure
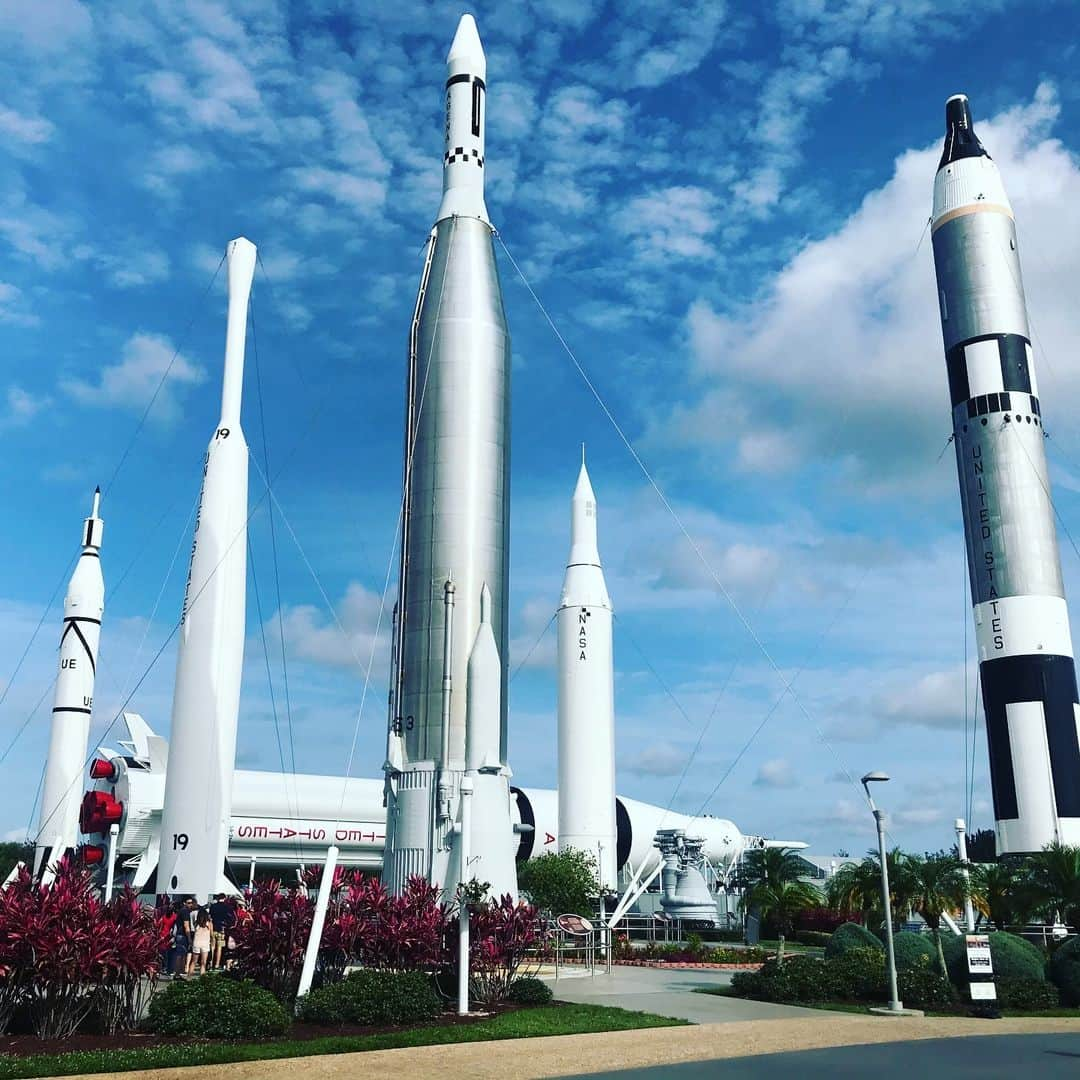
[(206, 701), (586, 696), (456, 501), (1021, 619), (73, 703)]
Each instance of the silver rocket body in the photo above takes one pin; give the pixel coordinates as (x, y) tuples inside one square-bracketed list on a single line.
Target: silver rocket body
[(210, 653), (456, 497), (1021, 619), (73, 702)]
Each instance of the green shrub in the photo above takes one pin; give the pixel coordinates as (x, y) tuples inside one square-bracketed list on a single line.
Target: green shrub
[(799, 978), (529, 991), (1027, 994), (922, 986), (217, 1007), (372, 997), (850, 936), (1012, 956), (857, 975), (1065, 971), (912, 949), (813, 937)]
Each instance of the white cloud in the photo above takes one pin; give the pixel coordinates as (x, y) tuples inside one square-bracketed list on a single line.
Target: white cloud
[(660, 759), (672, 222), (24, 129), (362, 194), (776, 773), (136, 377), (22, 407), (821, 368), (13, 308), (312, 634), (46, 27)]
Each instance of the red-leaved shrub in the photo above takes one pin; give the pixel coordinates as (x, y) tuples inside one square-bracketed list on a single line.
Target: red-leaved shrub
[(271, 937), (63, 952), (501, 935)]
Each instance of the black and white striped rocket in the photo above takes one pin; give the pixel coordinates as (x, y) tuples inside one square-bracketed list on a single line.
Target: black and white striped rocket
[(73, 702), (1021, 619)]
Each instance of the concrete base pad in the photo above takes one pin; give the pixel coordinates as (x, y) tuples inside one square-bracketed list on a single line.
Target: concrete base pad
[(886, 1011)]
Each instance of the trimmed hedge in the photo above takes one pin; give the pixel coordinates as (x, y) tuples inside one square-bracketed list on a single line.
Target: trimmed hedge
[(911, 949), (1065, 971), (1012, 956), (850, 936), (216, 1006), (372, 997), (1027, 994), (858, 976), (529, 991)]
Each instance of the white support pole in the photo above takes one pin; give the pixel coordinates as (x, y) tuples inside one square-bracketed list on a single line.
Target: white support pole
[(315, 940), (631, 895), (56, 852), (251, 875), (110, 868), (463, 913), (961, 849)]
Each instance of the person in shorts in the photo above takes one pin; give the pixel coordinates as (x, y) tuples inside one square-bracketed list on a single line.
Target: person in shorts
[(201, 939), (222, 919)]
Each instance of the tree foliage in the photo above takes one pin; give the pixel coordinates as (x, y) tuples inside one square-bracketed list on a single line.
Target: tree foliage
[(561, 882), (1054, 881)]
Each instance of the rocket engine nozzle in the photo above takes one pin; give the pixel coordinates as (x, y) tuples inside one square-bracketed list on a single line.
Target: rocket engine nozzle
[(99, 810)]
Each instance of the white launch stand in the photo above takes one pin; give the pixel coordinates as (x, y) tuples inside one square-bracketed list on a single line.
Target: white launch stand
[(463, 914), (311, 953)]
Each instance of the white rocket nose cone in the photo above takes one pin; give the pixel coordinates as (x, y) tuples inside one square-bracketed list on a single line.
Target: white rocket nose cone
[(584, 490), (466, 53)]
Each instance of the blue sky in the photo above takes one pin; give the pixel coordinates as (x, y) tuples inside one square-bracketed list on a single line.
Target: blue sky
[(723, 208)]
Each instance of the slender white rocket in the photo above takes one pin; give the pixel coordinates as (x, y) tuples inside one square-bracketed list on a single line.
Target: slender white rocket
[(1021, 619), (73, 702), (206, 702), (463, 156), (586, 695)]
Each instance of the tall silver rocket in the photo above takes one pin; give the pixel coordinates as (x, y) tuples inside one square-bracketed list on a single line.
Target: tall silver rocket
[(457, 487), (206, 701), (1021, 619), (586, 695), (73, 702)]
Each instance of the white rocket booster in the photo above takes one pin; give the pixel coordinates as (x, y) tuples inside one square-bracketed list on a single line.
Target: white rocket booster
[(586, 695), (492, 845), (73, 702), (202, 744)]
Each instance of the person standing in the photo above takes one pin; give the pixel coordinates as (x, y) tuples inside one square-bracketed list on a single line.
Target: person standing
[(222, 919), (201, 941)]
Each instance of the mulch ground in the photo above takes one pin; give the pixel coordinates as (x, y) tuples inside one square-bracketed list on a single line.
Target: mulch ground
[(683, 965)]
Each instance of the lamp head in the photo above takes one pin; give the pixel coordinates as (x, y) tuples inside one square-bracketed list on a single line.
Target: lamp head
[(875, 777)]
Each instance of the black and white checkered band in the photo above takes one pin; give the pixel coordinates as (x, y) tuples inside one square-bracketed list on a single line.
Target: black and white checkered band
[(461, 154), (989, 364)]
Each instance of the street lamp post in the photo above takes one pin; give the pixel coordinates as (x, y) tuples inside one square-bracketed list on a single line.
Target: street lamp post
[(961, 850), (895, 1004)]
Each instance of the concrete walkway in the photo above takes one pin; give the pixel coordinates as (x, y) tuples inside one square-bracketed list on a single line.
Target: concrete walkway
[(670, 993), (576, 1055)]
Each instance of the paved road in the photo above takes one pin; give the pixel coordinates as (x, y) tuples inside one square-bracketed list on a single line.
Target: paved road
[(1047, 1057), (671, 993)]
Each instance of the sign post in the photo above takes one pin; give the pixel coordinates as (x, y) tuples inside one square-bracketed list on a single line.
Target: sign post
[(980, 968)]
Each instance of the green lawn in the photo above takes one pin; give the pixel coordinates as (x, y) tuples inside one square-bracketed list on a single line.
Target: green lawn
[(522, 1024)]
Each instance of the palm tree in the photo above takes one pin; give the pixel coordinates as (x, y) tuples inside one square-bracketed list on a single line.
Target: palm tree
[(857, 886), (1054, 876), (769, 866), (770, 880), (1002, 892), (782, 901), (937, 885)]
